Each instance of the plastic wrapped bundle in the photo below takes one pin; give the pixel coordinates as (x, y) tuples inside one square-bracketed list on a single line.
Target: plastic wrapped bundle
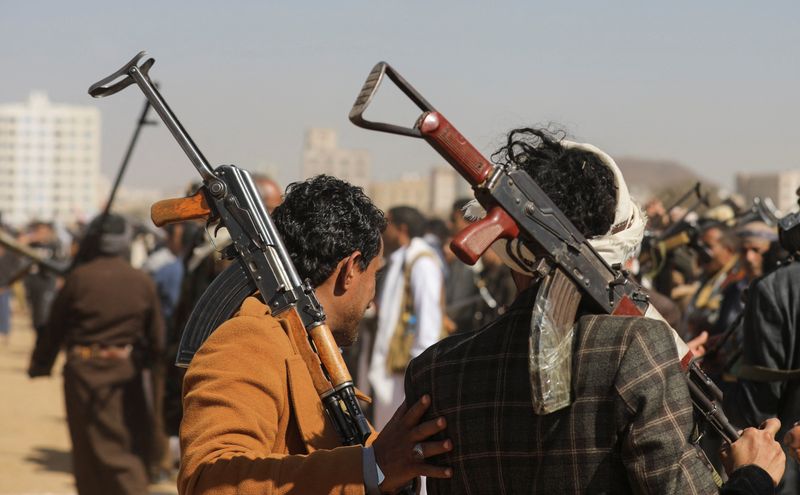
[(551, 342)]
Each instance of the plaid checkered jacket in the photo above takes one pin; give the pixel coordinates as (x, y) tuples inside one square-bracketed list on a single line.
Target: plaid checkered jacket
[(625, 432)]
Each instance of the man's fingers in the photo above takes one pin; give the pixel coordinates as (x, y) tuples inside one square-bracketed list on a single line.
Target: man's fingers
[(697, 344), (792, 438), (399, 413), (434, 471), (414, 414), (772, 425), (430, 449), (428, 428)]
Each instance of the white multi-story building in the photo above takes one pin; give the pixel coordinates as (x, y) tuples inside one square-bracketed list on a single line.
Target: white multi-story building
[(780, 186), (49, 161), (322, 155)]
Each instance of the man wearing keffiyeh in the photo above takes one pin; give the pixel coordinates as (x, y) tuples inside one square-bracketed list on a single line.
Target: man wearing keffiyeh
[(627, 418)]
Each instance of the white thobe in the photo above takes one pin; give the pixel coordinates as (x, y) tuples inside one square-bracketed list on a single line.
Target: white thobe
[(426, 290)]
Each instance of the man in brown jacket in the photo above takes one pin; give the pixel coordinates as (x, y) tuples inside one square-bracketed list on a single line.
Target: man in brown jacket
[(108, 318), (253, 423)]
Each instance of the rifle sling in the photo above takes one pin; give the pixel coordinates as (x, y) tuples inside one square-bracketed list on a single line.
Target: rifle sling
[(764, 374)]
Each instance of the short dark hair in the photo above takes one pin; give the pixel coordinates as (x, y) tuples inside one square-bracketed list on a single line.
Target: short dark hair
[(576, 180), (410, 217), (727, 236), (437, 227), (323, 220)]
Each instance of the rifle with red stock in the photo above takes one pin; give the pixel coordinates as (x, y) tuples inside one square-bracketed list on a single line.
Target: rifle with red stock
[(517, 208)]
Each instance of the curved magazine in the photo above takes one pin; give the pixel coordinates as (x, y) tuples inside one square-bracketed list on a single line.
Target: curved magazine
[(217, 304)]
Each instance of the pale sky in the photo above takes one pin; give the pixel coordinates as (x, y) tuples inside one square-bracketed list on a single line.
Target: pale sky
[(713, 85)]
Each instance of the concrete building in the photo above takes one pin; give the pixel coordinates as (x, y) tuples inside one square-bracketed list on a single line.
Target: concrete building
[(49, 161), (409, 190), (432, 194), (780, 186), (322, 155)]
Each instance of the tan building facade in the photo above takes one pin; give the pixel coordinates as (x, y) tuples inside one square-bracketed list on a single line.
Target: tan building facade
[(322, 155), (433, 194), (780, 186)]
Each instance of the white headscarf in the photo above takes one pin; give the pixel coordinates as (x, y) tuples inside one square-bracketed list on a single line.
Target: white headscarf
[(616, 246)]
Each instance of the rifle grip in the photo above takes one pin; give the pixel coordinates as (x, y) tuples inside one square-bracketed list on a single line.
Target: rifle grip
[(179, 209), (454, 147), (473, 241)]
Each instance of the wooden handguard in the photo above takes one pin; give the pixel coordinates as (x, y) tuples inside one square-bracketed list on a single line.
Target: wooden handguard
[(330, 355), (675, 241), (327, 355), (446, 139), (473, 241), (294, 327), (180, 209)]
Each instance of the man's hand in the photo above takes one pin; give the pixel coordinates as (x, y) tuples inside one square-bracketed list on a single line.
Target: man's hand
[(698, 344), (792, 441), (395, 447), (757, 447), (36, 370)]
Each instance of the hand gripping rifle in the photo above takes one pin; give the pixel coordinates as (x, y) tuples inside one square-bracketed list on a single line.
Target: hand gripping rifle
[(518, 208), (263, 264)]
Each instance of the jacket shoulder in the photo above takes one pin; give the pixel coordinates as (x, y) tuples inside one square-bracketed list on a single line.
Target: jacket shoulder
[(610, 329), (252, 333)]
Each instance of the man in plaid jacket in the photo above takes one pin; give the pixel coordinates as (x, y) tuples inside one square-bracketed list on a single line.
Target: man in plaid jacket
[(627, 426)]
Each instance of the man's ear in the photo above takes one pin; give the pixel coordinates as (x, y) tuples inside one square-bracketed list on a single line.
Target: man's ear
[(349, 270)]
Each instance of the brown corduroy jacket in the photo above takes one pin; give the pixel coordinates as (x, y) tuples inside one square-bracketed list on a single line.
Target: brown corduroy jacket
[(253, 422)]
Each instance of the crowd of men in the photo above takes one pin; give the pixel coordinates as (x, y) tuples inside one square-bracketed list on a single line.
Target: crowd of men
[(444, 351)]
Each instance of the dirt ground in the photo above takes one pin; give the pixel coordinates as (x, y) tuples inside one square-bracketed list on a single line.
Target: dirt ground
[(35, 454)]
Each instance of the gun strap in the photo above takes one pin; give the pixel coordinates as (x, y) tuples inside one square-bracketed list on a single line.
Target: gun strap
[(296, 331), (764, 374)]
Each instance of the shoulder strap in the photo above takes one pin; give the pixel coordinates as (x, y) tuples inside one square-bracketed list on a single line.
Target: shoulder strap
[(764, 374), (408, 265)]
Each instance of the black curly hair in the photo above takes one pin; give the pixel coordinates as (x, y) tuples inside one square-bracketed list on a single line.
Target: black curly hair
[(323, 220), (576, 180)]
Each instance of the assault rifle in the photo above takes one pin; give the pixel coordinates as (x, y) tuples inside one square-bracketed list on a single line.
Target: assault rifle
[(262, 263), (27, 258), (518, 208)]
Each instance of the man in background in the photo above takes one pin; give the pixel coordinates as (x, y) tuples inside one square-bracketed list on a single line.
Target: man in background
[(108, 319), (409, 308), (40, 284)]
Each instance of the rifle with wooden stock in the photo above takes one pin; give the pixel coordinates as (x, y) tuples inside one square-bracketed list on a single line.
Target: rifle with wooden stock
[(262, 264), (517, 208)]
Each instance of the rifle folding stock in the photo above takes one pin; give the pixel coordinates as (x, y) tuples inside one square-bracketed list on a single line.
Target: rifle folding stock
[(518, 208)]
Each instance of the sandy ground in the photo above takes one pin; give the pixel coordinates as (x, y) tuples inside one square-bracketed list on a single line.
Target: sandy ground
[(35, 454)]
